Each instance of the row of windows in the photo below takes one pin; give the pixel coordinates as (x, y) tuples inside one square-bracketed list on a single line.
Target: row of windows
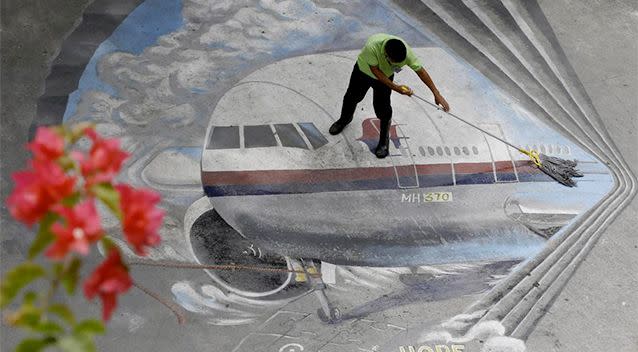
[(550, 148), (432, 151), (255, 136), (258, 136), (445, 150)]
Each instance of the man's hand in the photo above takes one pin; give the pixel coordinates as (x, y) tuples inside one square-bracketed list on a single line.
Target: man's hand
[(405, 90), (439, 100)]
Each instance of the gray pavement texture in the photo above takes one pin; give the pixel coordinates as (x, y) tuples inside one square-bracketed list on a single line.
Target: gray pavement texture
[(31, 37), (598, 308)]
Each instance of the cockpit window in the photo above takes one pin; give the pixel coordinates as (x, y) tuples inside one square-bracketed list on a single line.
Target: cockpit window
[(289, 136), (315, 137), (224, 137), (228, 137), (259, 136)]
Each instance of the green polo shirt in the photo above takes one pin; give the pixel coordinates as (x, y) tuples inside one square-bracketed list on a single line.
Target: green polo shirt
[(373, 54)]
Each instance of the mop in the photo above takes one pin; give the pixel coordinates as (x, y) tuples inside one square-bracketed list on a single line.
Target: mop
[(559, 169)]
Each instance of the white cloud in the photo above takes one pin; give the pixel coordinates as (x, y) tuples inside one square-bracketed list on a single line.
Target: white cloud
[(503, 344), (219, 39), (176, 82)]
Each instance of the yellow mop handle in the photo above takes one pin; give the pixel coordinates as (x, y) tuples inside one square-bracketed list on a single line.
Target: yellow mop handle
[(533, 155)]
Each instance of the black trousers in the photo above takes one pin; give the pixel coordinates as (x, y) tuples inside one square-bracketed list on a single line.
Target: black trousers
[(357, 89)]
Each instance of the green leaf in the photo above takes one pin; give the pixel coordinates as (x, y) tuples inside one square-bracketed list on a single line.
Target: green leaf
[(77, 130), (76, 343), (89, 327), (63, 312), (108, 244), (34, 345), (16, 279), (49, 328), (60, 130), (71, 275), (26, 316), (58, 269), (29, 298), (44, 236), (109, 196), (72, 200)]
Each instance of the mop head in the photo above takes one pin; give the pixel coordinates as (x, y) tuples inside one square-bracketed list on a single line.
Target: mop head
[(559, 169)]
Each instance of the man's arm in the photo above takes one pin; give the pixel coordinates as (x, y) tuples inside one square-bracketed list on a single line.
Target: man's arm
[(385, 80), (438, 98)]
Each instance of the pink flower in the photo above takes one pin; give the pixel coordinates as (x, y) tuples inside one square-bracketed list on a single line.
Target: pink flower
[(108, 280), (47, 145), (141, 218), (81, 228), (104, 160), (37, 190)]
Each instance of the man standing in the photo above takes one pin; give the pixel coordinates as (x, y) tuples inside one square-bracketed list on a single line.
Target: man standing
[(380, 58)]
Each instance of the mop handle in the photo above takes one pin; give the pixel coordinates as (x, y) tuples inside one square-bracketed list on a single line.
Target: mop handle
[(478, 128)]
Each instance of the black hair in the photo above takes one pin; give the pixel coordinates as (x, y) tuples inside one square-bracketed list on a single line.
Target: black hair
[(396, 50)]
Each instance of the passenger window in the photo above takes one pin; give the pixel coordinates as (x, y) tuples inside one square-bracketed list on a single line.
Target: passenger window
[(543, 149), (422, 151), (224, 137), (567, 150), (550, 149), (439, 151), (289, 136), (315, 137), (475, 150), (466, 151), (457, 151), (259, 136), (431, 151)]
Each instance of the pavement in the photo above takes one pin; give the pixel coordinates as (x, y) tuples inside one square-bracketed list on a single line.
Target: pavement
[(596, 310), (598, 307)]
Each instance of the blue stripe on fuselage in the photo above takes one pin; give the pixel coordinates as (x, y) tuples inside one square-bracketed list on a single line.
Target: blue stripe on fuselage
[(425, 181)]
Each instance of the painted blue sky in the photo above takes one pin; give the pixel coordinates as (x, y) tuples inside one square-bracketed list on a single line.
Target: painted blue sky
[(141, 29), (219, 42)]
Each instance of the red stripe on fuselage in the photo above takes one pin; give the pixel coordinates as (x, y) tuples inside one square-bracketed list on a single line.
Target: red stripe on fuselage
[(247, 177)]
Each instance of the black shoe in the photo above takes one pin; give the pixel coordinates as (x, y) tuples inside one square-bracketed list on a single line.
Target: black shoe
[(337, 127), (382, 151)]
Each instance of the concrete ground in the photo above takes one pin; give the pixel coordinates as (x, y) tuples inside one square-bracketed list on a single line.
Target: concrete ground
[(32, 33), (598, 307)]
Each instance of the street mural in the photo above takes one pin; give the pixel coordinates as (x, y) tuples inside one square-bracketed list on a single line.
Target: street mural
[(225, 107)]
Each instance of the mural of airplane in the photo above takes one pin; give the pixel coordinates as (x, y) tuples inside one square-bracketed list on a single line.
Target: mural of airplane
[(447, 193), (279, 189)]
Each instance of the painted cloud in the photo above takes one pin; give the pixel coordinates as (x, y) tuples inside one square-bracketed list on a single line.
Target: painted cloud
[(176, 82)]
